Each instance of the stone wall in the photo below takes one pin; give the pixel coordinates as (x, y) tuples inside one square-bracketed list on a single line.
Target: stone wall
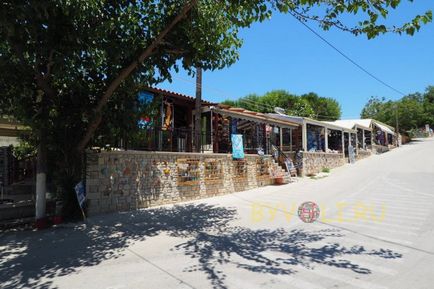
[(361, 154), (379, 149), (127, 180), (314, 162)]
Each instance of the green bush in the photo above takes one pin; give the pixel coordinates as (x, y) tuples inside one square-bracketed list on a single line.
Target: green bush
[(325, 170)]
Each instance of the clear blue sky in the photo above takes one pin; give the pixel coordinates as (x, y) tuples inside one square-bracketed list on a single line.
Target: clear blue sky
[(282, 54)]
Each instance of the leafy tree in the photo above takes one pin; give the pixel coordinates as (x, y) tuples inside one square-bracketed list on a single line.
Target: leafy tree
[(307, 105), (325, 108), (428, 104), (413, 111), (70, 67), (380, 109)]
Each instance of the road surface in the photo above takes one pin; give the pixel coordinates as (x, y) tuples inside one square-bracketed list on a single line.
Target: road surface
[(375, 231)]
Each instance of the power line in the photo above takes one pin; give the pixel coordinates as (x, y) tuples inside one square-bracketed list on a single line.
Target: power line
[(347, 57)]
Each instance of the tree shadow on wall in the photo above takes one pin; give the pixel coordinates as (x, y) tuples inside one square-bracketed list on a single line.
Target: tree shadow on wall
[(255, 248), (31, 259)]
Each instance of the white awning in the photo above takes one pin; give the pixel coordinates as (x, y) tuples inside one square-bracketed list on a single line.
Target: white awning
[(384, 128)]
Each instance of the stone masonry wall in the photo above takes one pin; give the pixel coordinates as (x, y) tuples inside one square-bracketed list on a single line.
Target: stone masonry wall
[(361, 154), (314, 162), (128, 180), (379, 149)]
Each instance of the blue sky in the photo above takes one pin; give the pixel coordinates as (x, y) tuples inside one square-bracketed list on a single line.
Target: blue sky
[(282, 54)]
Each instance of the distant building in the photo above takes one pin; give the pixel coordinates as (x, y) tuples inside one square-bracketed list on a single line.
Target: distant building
[(9, 132)]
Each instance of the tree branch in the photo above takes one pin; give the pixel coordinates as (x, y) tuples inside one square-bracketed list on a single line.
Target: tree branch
[(126, 72)]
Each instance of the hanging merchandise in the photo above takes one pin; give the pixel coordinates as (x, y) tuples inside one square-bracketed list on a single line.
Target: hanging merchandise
[(167, 115), (234, 125), (351, 154), (311, 141), (268, 130), (237, 146)]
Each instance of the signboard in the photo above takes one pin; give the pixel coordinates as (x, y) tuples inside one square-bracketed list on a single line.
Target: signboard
[(237, 146), (351, 154), (80, 192)]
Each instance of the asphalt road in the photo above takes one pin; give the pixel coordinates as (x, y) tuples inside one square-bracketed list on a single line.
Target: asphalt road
[(375, 231)]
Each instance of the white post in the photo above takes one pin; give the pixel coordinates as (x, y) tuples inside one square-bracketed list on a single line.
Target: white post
[(211, 130), (326, 139), (363, 139), (343, 143), (41, 188), (41, 182), (304, 136)]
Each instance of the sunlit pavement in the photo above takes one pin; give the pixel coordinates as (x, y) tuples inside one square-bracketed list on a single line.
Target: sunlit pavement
[(374, 231)]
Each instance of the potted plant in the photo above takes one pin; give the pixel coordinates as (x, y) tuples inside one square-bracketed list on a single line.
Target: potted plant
[(278, 180)]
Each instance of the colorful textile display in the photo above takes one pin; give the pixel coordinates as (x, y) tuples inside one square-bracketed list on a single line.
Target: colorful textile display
[(237, 146)]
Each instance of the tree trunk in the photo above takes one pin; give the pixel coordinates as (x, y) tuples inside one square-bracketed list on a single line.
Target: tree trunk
[(198, 111), (41, 180), (126, 72)]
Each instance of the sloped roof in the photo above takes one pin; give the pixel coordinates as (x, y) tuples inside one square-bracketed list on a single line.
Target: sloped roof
[(352, 123), (175, 94), (301, 120), (252, 115), (384, 127), (367, 123)]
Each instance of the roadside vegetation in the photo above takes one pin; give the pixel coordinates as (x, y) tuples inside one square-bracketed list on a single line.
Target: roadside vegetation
[(412, 112)]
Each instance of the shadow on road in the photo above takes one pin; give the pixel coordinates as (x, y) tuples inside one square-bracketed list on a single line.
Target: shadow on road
[(33, 259), (26, 257), (255, 248)]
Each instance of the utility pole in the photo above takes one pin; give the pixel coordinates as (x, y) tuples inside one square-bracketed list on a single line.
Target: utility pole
[(396, 125), (198, 111)]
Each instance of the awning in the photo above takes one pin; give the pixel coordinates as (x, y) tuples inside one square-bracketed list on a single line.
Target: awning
[(384, 128), (252, 116)]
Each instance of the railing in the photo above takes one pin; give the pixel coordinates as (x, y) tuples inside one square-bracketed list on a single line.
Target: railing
[(164, 139), (282, 159)]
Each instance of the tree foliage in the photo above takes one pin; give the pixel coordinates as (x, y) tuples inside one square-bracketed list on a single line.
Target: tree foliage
[(413, 111), (307, 105)]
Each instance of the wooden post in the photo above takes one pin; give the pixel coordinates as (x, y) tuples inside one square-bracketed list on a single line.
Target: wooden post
[(198, 111), (281, 138), (290, 139)]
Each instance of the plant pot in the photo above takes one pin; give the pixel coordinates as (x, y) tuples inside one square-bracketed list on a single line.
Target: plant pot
[(278, 181), (41, 224), (57, 220)]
